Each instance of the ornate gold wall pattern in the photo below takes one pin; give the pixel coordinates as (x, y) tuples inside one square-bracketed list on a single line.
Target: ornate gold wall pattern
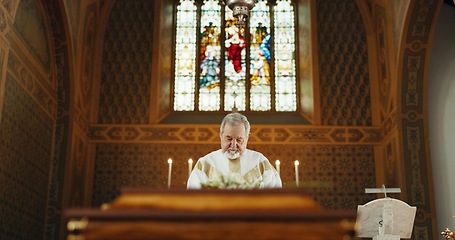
[(125, 81), (415, 156), (32, 83), (343, 65), (24, 174)]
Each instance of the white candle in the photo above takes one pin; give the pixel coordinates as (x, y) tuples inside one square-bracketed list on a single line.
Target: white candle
[(169, 174), (296, 163), (277, 164), (190, 166)]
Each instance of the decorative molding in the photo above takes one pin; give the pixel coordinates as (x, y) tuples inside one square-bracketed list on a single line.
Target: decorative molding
[(61, 75), (416, 160), (32, 83), (260, 134)]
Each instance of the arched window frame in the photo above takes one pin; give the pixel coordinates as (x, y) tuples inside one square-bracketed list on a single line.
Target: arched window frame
[(193, 81)]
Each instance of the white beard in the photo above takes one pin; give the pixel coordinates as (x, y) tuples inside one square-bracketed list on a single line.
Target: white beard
[(232, 153)]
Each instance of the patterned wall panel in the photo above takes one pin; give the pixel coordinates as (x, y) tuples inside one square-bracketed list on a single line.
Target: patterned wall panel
[(62, 126), (3, 67), (125, 83), (335, 176), (141, 165), (343, 64), (32, 83), (3, 22), (79, 168), (415, 141), (383, 58), (9, 6), (84, 88), (31, 26), (25, 148)]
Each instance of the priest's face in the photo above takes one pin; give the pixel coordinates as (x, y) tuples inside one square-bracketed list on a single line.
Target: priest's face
[(233, 140)]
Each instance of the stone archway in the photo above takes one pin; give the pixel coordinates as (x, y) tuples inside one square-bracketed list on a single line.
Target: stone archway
[(412, 114)]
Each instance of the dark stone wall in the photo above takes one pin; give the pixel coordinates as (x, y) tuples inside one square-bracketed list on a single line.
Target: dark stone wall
[(26, 133)]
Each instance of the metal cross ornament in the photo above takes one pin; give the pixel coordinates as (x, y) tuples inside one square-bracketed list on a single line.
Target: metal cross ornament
[(241, 9)]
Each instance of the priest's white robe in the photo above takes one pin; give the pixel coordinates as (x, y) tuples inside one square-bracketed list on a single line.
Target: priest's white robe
[(252, 167)]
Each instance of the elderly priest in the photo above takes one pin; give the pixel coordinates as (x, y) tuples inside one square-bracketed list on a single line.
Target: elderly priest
[(234, 166)]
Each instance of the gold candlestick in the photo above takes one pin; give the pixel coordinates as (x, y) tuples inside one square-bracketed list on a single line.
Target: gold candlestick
[(447, 234)]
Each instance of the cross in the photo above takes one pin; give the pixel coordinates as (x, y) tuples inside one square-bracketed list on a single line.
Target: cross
[(383, 189)]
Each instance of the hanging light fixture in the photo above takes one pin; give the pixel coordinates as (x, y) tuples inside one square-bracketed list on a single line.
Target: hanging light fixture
[(241, 9)]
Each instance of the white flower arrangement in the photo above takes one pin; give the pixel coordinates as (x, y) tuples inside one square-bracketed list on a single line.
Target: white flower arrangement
[(233, 181)]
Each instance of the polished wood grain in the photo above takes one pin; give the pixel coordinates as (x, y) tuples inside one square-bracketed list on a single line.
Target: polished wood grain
[(141, 215)]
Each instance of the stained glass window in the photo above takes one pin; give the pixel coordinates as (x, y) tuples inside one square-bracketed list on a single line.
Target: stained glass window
[(210, 53), (185, 63), (221, 65)]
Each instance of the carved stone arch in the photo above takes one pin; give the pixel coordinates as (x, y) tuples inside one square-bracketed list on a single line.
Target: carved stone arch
[(104, 13), (366, 12), (412, 74), (62, 70), (70, 183)]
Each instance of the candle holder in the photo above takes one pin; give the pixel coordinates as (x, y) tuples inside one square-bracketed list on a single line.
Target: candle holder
[(448, 234)]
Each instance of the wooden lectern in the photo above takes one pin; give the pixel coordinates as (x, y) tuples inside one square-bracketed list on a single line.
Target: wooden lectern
[(210, 214)]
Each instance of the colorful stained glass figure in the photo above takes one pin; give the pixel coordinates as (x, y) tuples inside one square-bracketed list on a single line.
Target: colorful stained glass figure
[(210, 48), (260, 81), (212, 69), (185, 62), (235, 43)]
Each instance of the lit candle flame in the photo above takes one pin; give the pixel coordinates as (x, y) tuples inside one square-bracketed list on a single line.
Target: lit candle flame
[(277, 163), (190, 166), (169, 174), (296, 163)]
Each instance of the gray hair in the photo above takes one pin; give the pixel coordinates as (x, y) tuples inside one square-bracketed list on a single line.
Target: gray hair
[(235, 119)]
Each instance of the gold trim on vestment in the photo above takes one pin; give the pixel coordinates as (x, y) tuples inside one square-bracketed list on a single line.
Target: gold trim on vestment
[(209, 170), (234, 166), (256, 173)]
